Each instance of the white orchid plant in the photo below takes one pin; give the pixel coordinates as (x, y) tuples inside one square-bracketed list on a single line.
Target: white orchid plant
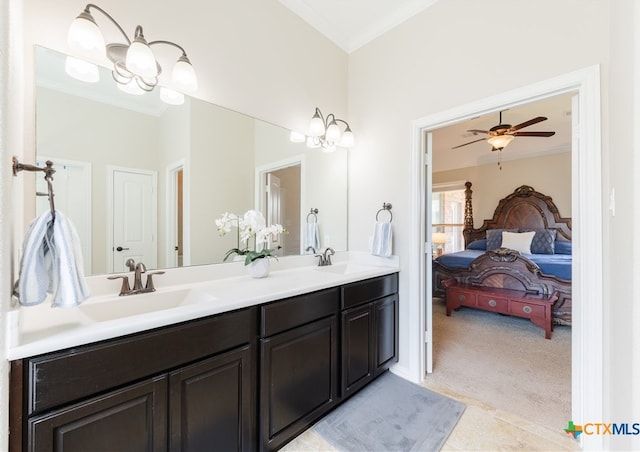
[(251, 225)]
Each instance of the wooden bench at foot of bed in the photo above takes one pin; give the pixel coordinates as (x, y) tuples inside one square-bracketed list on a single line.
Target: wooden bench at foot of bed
[(519, 303)]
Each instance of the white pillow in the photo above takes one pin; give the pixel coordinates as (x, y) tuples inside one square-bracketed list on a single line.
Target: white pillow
[(519, 241)]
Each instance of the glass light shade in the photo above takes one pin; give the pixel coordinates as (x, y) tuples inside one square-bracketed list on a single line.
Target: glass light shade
[(85, 38), (500, 141), (297, 137), (328, 147), (183, 76), (171, 97), (81, 70), (131, 88), (347, 139), (316, 126), (140, 59), (333, 132), (313, 142)]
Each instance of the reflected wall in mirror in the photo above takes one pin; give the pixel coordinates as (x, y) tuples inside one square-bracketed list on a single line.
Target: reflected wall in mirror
[(146, 180)]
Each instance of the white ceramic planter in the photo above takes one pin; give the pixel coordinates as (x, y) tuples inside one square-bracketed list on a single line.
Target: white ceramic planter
[(259, 268)]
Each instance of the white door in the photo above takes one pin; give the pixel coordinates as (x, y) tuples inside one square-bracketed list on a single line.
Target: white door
[(134, 218), (72, 197), (274, 209)]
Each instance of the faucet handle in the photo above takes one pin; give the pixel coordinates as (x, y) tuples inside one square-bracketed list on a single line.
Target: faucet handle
[(124, 289), (149, 286)]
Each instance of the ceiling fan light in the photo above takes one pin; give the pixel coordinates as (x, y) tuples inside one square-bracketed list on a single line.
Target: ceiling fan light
[(500, 141)]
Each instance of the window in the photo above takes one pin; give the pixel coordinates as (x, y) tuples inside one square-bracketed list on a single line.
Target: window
[(447, 216)]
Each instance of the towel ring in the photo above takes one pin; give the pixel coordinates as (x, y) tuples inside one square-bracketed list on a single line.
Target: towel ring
[(313, 212), (385, 206)]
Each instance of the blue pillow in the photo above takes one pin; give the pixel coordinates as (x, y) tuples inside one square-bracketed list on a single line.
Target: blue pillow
[(494, 237), (543, 241), (562, 247), (480, 244)]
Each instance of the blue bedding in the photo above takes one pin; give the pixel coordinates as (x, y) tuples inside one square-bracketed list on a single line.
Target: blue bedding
[(550, 264)]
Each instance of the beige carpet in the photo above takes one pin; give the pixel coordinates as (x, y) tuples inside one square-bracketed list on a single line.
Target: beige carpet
[(503, 362)]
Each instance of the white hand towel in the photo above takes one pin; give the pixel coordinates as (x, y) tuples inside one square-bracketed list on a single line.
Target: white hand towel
[(382, 240), (51, 263), (312, 236)]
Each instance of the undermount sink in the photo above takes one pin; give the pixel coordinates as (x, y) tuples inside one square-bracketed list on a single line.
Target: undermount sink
[(344, 268), (132, 305)]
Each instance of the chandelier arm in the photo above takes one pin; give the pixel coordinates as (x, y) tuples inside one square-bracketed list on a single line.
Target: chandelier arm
[(184, 53), (342, 121), (108, 16)]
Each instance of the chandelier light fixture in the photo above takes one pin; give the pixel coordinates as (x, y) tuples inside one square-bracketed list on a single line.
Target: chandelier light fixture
[(135, 68), (325, 133)]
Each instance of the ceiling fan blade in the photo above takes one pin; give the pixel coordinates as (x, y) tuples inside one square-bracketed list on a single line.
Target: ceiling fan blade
[(533, 134), (470, 142), (528, 123), (478, 131)]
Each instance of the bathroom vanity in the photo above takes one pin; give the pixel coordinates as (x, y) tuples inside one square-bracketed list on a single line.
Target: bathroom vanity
[(250, 377)]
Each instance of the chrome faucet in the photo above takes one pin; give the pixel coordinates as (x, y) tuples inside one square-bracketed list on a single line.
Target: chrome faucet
[(324, 259), (139, 269)]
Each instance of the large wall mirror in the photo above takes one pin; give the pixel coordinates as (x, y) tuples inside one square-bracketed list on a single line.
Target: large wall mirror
[(139, 177)]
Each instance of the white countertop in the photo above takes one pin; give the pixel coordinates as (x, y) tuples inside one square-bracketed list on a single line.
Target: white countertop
[(181, 295)]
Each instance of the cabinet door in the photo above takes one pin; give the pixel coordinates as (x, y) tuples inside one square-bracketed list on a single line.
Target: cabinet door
[(299, 380), (132, 419), (357, 348), (211, 404), (385, 317)]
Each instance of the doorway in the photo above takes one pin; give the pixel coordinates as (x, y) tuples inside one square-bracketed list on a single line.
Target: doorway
[(176, 220), (587, 349)]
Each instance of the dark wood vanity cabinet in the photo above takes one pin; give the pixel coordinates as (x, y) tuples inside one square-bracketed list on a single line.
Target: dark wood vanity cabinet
[(369, 330), (298, 364), (251, 379), (187, 387)]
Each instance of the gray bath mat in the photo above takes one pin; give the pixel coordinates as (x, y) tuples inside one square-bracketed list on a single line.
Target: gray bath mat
[(391, 414)]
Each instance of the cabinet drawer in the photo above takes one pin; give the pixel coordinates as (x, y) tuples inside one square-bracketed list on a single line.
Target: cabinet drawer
[(292, 312), (524, 309), (491, 303), (371, 289), (73, 374), (463, 297)]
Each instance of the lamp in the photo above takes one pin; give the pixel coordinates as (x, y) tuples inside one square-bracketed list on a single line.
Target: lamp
[(326, 133), (439, 238), (499, 142), (135, 67)]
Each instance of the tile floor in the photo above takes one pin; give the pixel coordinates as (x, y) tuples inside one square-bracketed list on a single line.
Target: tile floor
[(481, 428)]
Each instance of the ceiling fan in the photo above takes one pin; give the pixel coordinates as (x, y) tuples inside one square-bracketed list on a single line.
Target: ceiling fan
[(501, 135)]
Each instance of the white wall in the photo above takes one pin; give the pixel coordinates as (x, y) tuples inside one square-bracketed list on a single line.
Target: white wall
[(550, 175), (449, 56)]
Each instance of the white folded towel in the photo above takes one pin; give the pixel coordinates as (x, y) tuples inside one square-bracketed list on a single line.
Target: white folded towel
[(382, 239), (312, 236), (51, 263)]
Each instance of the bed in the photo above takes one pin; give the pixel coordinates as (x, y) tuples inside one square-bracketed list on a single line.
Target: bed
[(524, 215)]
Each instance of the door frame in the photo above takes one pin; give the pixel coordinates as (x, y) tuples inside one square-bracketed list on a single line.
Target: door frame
[(586, 186), (172, 213), (109, 239), (261, 180)]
